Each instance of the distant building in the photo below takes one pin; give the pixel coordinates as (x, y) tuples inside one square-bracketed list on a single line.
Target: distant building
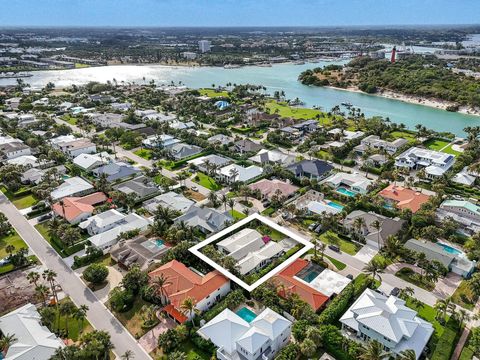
[(312, 169), (189, 55), (464, 213), (204, 46), (436, 163), (374, 142)]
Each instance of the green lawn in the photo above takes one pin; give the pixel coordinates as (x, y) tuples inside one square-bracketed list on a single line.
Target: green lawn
[(403, 134), (132, 319), (435, 144), (69, 119), (463, 296), (237, 215), (331, 238), (382, 260), (467, 352), (449, 150), (13, 239), (207, 181), (75, 327), (61, 249), (161, 180), (412, 277), (212, 93), (24, 201), (445, 337), (338, 264), (193, 352), (296, 112), (274, 234), (144, 153)]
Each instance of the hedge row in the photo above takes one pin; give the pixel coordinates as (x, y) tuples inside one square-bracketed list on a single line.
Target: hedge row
[(338, 306)]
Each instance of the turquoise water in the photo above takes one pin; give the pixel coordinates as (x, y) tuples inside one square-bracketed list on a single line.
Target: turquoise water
[(310, 276), (246, 314), (449, 249), (278, 77), (335, 205), (154, 245), (346, 192)]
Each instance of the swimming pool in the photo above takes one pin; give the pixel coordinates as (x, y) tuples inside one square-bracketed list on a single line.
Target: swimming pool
[(246, 314), (449, 249), (335, 205), (310, 276), (346, 192), (154, 245)]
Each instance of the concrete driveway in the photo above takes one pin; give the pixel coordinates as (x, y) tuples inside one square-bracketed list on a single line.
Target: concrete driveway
[(149, 341), (366, 254), (114, 279)]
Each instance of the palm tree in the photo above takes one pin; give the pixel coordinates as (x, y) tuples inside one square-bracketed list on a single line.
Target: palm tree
[(231, 203), (128, 355), (42, 292), (50, 276), (377, 225), (373, 269), (6, 341), (33, 278), (406, 292), (408, 354), (374, 351), (224, 200), (158, 283), (67, 309), (462, 316), (189, 307), (10, 249), (81, 314)]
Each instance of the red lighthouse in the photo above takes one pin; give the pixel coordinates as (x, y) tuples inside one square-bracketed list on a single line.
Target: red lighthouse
[(394, 52)]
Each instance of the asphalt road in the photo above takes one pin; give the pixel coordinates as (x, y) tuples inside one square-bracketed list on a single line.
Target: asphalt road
[(98, 315)]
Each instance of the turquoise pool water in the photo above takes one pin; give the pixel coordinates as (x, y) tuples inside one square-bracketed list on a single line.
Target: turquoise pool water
[(310, 276), (335, 205), (154, 245), (450, 249), (346, 192), (246, 314)]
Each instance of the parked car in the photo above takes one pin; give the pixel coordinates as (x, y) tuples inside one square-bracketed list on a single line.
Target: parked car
[(318, 229), (44, 217), (349, 276), (311, 227), (194, 188), (334, 248), (395, 291)]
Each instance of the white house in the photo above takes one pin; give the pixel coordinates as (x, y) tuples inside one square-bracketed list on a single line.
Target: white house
[(388, 320), (108, 238), (74, 186), (75, 147), (355, 182), (232, 173), (265, 156), (435, 163), (33, 340), (15, 149), (170, 200), (28, 161), (92, 161), (106, 120), (374, 142), (102, 222), (162, 141), (465, 213), (212, 159), (235, 338)]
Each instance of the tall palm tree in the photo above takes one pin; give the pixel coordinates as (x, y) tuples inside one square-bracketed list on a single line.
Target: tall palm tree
[(42, 292), (80, 315), (373, 269), (408, 354), (129, 355), (231, 203), (33, 277), (67, 309), (6, 341), (462, 316), (189, 308), (224, 200), (158, 283), (374, 351), (50, 276), (377, 225)]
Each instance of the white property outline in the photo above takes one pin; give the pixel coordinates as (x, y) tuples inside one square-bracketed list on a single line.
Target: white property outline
[(307, 246)]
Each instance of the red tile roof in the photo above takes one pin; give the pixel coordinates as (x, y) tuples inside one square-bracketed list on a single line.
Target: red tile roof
[(288, 285), (404, 198), (177, 315), (185, 283), (75, 206), (269, 187)]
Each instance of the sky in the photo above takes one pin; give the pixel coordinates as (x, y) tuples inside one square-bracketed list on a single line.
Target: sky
[(170, 13)]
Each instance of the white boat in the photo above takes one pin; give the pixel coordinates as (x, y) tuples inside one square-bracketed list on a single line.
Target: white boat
[(231, 66), (10, 75), (265, 65)]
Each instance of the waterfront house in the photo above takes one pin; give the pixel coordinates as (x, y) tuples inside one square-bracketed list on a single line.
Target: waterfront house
[(388, 320), (236, 338), (373, 142), (435, 163), (183, 282)]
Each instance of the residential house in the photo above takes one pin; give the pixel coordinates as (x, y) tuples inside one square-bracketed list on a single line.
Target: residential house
[(220, 139), (245, 146), (162, 141), (312, 169), (306, 126), (116, 171), (346, 135), (204, 162), (205, 219), (138, 251), (376, 160), (235, 338), (236, 173), (205, 290), (32, 340), (35, 175), (77, 209), (27, 161), (74, 186), (435, 163), (121, 106), (12, 150), (26, 119), (89, 162), (292, 133), (269, 188), (373, 142), (131, 222), (265, 156), (102, 222), (453, 259), (465, 177), (181, 151), (403, 198), (142, 186), (349, 184), (465, 213), (73, 148), (313, 202), (366, 229), (388, 320), (170, 200)]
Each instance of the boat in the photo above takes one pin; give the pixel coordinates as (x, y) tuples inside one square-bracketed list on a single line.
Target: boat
[(299, 62), (347, 104), (231, 66), (10, 75), (265, 65)]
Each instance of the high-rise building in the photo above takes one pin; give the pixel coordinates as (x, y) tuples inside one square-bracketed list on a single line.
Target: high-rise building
[(204, 46)]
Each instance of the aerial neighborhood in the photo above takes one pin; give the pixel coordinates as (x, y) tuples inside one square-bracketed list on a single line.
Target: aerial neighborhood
[(223, 222)]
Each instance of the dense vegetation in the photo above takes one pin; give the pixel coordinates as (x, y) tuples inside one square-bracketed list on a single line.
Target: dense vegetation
[(416, 75)]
